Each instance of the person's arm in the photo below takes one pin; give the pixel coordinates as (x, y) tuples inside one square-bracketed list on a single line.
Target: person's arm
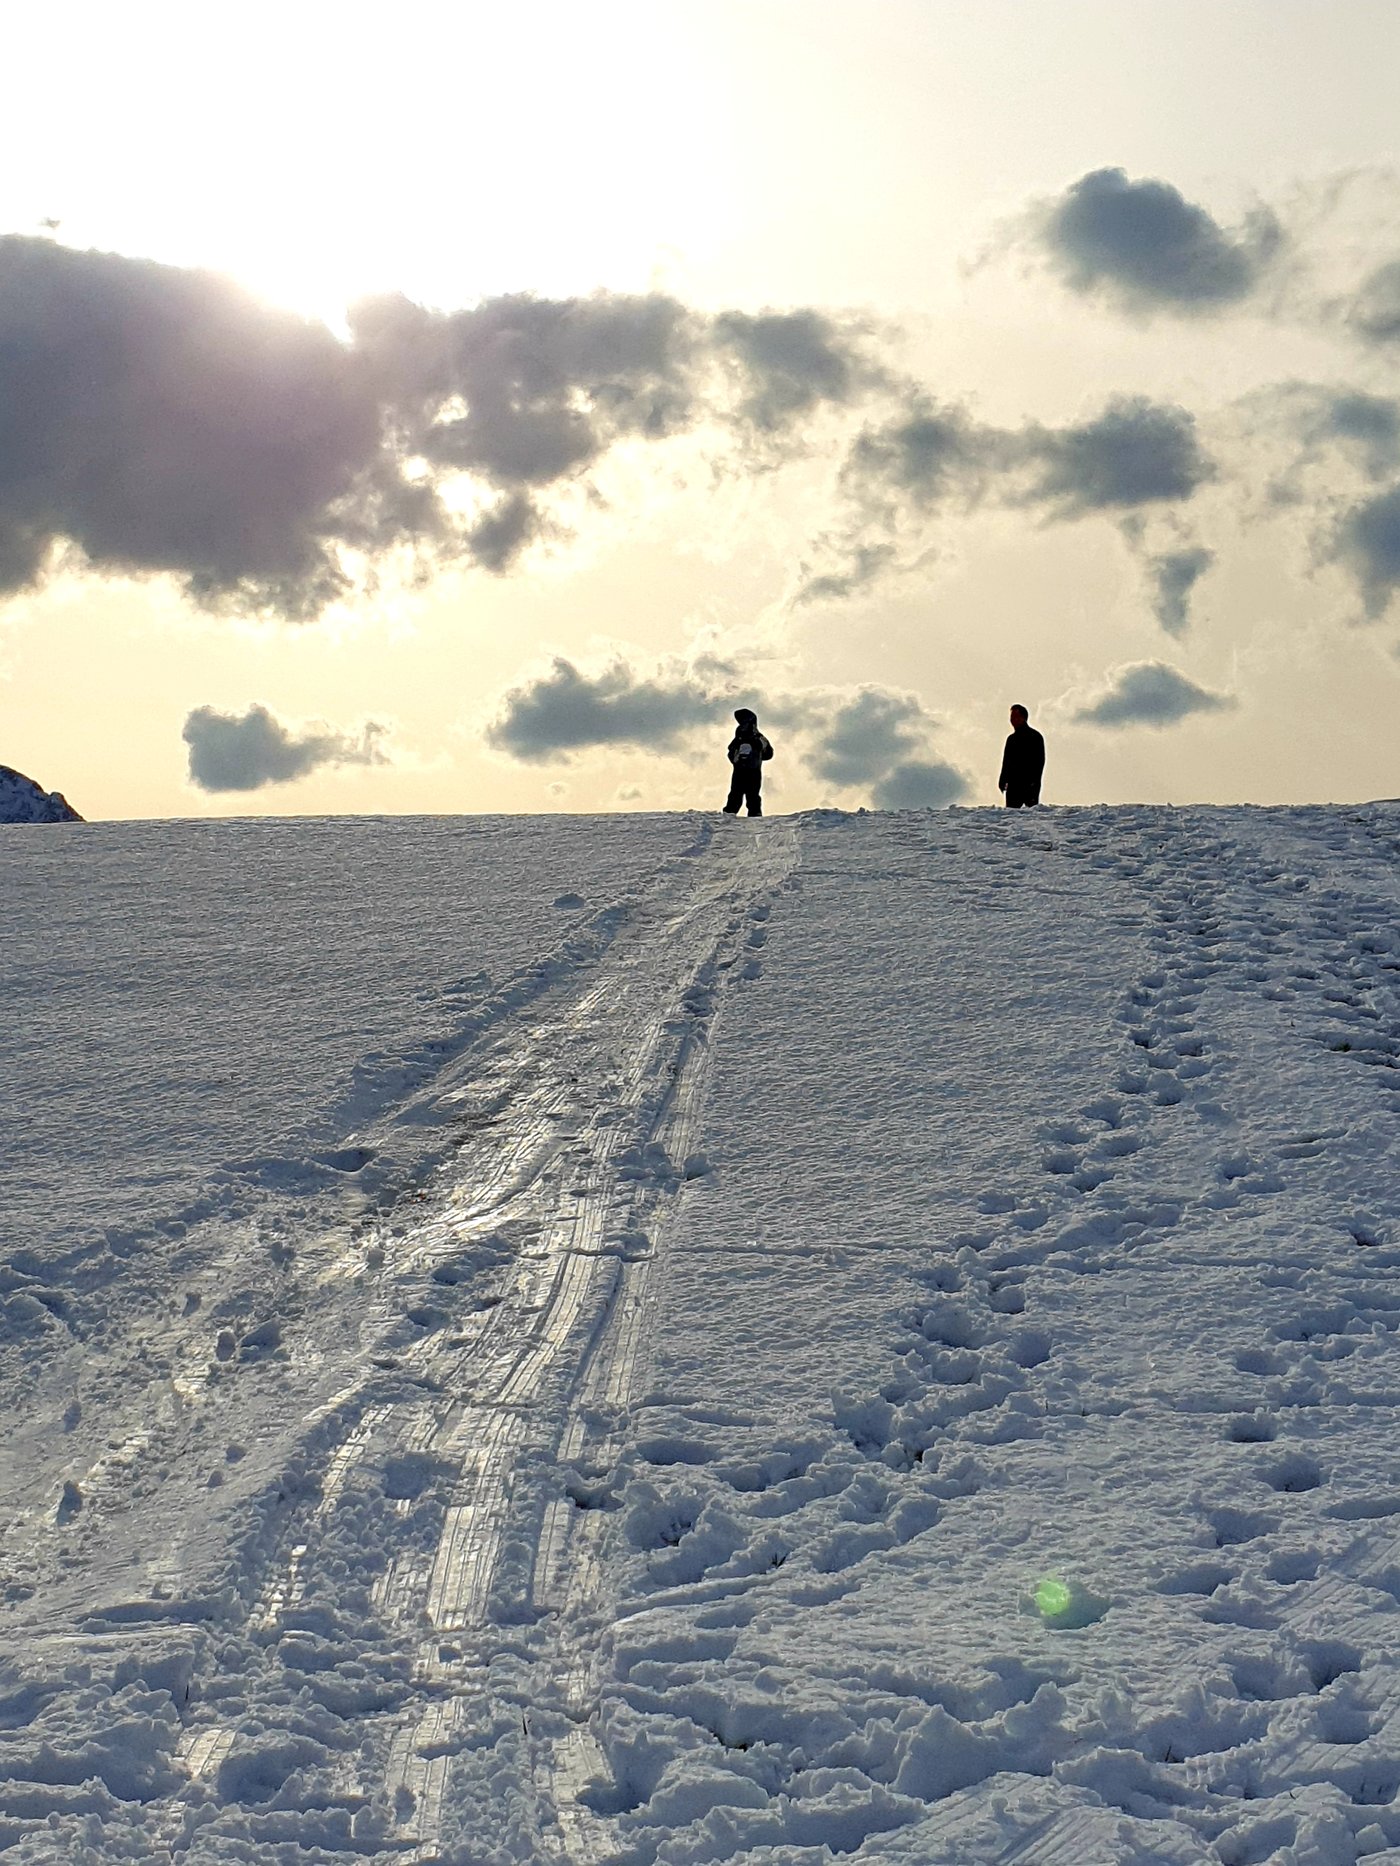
[(1005, 761), (1039, 757)]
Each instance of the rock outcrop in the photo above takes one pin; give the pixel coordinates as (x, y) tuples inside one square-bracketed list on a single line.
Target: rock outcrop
[(22, 801)]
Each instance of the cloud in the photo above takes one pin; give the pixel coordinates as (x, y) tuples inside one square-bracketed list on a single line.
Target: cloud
[(1137, 452), (1149, 693), (1145, 246), (860, 739), (1365, 425), (929, 452), (865, 564), (523, 391), (789, 363), (1174, 576), (1319, 420), (1375, 312), (158, 420), (565, 711), (163, 420), (503, 532), (920, 784), (871, 739), (930, 458), (1368, 544), (229, 752)]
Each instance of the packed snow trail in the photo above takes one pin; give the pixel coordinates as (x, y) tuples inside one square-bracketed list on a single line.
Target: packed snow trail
[(878, 1343), (427, 1381)]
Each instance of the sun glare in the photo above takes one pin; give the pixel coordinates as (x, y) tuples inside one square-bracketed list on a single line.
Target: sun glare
[(461, 151)]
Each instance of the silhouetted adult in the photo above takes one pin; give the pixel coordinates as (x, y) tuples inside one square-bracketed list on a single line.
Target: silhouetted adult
[(748, 750), (1022, 763)]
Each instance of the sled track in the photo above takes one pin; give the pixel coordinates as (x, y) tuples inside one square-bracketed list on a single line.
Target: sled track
[(587, 1122)]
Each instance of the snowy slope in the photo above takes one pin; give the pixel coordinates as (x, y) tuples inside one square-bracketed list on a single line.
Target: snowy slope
[(860, 1337), (22, 801)]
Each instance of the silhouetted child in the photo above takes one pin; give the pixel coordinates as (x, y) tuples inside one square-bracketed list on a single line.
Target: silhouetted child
[(748, 750)]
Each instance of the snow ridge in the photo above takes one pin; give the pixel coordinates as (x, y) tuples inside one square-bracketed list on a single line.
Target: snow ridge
[(22, 801)]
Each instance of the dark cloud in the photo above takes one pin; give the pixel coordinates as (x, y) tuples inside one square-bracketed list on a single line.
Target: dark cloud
[(920, 784), (1149, 693), (1136, 453), (1145, 245), (504, 532), (232, 752), (162, 420), (860, 739), (865, 564), (928, 456), (1310, 442), (1365, 425), (1174, 577), (1133, 455), (928, 453), (523, 391), (789, 362), (1375, 313), (873, 739), (1321, 419), (566, 711), (1368, 544)]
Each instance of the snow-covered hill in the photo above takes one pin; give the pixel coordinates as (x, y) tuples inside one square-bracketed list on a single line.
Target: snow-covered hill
[(22, 801), (664, 1340)]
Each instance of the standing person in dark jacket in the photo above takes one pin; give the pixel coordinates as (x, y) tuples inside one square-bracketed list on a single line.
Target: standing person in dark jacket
[(747, 751), (1022, 762)]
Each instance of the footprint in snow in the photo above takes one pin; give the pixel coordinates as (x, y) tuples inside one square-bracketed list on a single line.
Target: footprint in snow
[(1293, 1473)]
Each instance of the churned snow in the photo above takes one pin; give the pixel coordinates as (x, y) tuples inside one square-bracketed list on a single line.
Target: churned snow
[(659, 1340)]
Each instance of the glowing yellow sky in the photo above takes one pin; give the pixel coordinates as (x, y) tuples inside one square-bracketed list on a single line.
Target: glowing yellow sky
[(751, 153)]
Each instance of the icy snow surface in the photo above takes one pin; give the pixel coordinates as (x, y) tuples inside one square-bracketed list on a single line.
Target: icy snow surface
[(661, 1340)]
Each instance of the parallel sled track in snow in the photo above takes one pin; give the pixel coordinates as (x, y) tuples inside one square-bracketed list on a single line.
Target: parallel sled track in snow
[(593, 1101)]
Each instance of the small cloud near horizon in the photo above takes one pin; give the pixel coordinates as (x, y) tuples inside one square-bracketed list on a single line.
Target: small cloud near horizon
[(564, 711), (862, 738), (921, 784), (244, 752), (872, 739)]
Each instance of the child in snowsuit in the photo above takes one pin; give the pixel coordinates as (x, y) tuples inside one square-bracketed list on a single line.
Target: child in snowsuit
[(747, 751)]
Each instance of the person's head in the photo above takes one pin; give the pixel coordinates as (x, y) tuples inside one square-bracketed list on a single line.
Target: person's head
[(1019, 716), (745, 717)]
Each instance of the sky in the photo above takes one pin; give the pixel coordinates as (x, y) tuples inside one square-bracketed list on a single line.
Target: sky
[(468, 413)]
